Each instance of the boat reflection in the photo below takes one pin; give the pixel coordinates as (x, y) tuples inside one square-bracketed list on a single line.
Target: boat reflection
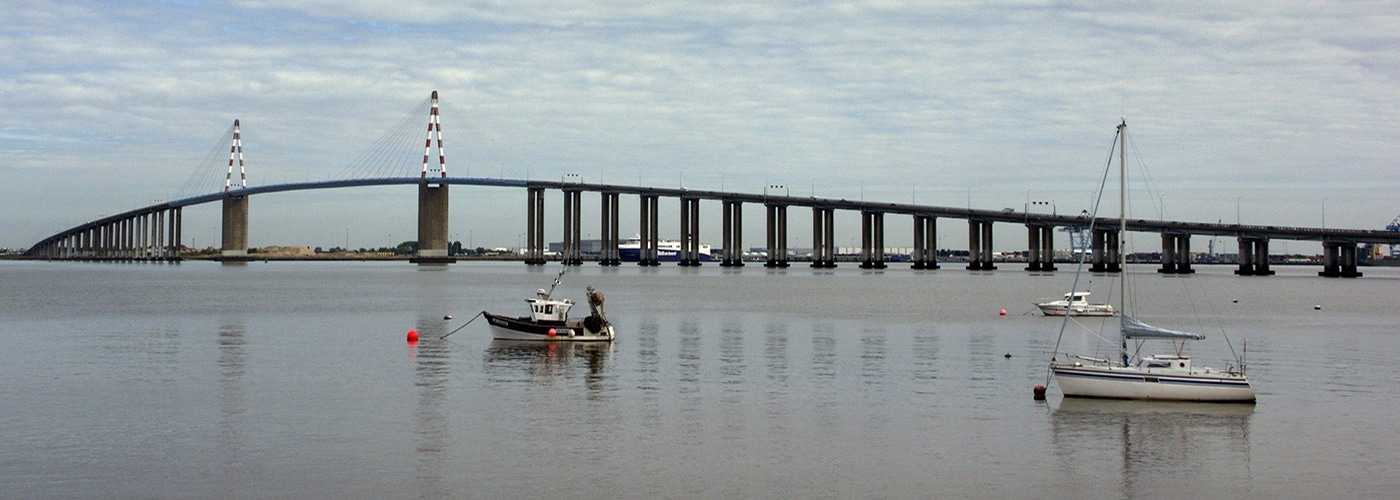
[(1157, 446), (548, 359)]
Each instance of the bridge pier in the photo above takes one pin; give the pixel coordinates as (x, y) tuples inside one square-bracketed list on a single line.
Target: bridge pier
[(647, 254), (534, 227), (1254, 257), (872, 240), (925, 254), (823, 238), (979, 245), (1176, 254), (1339, 260), (690, 232), (235, 230), (573, 205), (608, 255), (1042, 248), (777, 236), (1106, 250), (733, 234), (432, 225)]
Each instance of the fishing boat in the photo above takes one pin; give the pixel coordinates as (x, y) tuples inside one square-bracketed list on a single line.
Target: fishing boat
[(1074, 304), (1168, 377), (549, 319)]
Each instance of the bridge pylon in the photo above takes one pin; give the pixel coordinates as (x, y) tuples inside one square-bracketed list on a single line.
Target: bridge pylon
[(432, 200), (234, 244)]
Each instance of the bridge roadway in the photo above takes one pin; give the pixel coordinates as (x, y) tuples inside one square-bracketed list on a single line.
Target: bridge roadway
[(153, 232)]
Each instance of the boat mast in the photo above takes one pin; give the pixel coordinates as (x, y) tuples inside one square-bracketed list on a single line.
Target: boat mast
[(1122, 235)]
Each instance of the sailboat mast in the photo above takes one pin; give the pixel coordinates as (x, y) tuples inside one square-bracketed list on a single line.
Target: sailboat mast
[(1122, 236)]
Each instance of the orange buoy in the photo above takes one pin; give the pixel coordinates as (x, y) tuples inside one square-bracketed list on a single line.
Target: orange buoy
[(1039, 392), (412, 336), (1002, 313)]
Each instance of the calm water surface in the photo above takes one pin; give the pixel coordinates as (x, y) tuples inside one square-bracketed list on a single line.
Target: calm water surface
[(294, 380)]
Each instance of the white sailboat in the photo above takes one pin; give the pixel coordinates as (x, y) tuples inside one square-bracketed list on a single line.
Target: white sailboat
[(1170, 377)]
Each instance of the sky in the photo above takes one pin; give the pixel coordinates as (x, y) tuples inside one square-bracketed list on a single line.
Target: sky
[(1278, 113)]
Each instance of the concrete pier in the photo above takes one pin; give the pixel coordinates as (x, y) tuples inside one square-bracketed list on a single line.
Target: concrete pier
[(235, 230), (608, 255), (1339, 260), (823, 238), (872, 240), (1254, 257), (777, 236), (979, 245), (690, 232), (534, 227), (925, 255), (733, 234), (1176, 254), (573, 240), (432, 225), (1106, 249), (1041, 248), (648, 232)]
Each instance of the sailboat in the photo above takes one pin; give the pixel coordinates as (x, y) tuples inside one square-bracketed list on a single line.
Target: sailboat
[(1164, 377)]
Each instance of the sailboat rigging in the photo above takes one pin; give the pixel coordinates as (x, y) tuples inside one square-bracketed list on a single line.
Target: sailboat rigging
[(1169, 377)]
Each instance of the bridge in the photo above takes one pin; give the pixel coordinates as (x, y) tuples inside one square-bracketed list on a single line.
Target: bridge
[(153, 233)]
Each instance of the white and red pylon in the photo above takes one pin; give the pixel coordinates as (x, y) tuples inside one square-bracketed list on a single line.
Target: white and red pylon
[(236, 148), (434, 125)]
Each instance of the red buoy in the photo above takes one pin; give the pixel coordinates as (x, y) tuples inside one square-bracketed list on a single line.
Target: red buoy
[(412, 336), (551, 332), (1002, 313), (1039, 392)]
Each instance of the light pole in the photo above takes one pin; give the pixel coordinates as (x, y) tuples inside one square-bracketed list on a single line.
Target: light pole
[(1324, 213), (1237, 209)]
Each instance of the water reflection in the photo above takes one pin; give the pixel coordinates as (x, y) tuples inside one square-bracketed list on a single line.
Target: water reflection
[(432, 371), (545, 361), (232, 403), (1158, 446)]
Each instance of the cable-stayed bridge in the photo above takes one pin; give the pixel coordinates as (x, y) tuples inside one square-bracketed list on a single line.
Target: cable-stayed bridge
[(155, 233)]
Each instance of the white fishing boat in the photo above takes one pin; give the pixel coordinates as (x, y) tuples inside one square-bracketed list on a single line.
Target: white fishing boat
[(1170, 377), (549, 319), (1075, 304)]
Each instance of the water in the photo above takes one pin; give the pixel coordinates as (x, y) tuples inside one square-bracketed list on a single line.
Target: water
[(294, 380)]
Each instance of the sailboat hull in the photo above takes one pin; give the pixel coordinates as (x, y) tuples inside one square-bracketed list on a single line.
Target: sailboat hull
[(1114, 382)]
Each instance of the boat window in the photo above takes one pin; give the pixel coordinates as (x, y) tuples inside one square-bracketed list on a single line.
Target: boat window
[(1152, 363), (549, 309)]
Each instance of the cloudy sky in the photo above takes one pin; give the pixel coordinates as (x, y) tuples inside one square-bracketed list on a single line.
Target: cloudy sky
[(1282, 113)]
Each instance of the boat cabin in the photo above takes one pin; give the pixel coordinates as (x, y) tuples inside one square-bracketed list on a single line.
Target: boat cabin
[(543, 308), (1166, 362)]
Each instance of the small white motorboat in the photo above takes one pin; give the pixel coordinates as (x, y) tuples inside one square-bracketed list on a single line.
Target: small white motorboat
[(1076, 304), (549, 320)]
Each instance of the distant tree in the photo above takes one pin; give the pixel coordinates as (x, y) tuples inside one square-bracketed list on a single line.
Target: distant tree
[(406, 248)]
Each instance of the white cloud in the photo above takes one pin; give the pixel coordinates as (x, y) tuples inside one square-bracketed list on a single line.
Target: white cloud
[(942, 101)]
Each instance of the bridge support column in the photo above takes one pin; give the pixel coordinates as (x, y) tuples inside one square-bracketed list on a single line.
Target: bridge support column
[(777, 236), (178, 227), (823, 239), (733, 234), (608, 255), (1041, 251), (534, 227), (925, 254), (1106, 250), (573, 205), (872, 240), (1254, 257), (647, 254), (1176, 254), (235, 231), (432, 225), (1339, 260), (979, 245), (690, 232)]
